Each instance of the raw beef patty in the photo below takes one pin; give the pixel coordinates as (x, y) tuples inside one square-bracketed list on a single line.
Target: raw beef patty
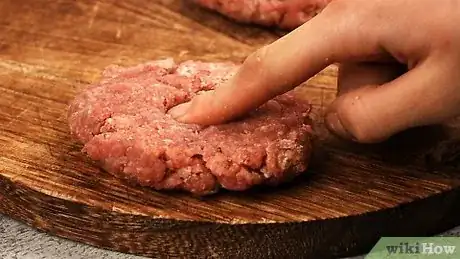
[(123, 122), (285, 14)]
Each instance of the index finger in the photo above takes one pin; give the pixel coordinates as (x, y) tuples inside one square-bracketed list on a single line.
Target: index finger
[(335, 35)]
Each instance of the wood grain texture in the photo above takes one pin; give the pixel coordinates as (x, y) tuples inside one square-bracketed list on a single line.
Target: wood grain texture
[(352, 195)]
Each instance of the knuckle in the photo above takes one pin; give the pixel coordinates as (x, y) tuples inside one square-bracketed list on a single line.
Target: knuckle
[(341, 6), (337, 4), (360, 12)]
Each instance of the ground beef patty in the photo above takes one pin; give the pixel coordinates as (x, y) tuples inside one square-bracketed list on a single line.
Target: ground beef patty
[(123, 122), (286, 14)]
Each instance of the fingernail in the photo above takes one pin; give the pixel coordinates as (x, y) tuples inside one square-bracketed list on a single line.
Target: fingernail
[(179, 111), (335, 125)]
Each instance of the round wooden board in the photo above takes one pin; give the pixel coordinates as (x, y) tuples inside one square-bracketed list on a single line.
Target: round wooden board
[(350, 196)]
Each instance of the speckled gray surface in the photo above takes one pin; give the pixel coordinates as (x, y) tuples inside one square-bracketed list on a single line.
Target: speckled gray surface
[(18, 241)]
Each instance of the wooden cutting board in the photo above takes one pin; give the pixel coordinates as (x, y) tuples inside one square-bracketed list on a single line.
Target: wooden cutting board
[(352, 194)]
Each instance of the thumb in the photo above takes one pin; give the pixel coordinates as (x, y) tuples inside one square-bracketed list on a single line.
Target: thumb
[(425, 95)]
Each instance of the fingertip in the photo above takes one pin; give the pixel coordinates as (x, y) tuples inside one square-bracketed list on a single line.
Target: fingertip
[(178, 112), (202, 110)]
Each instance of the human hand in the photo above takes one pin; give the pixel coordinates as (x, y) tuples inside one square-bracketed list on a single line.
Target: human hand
[(398, 68)]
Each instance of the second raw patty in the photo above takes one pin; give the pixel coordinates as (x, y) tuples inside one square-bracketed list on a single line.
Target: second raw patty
[(285, 14)]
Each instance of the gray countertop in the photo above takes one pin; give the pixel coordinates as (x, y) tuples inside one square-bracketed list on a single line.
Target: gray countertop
[(18, 241)]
